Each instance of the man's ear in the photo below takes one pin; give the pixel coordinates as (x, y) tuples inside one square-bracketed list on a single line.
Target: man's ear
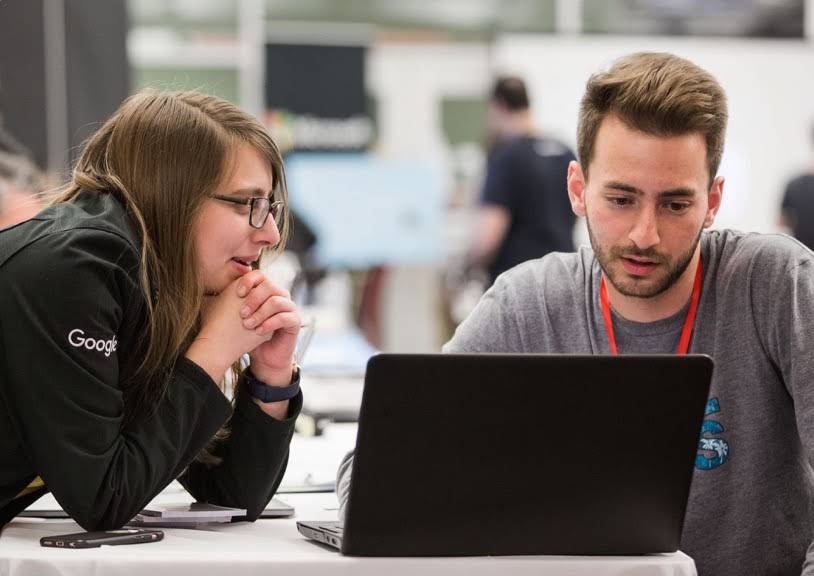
[(576, 188), (714, 198)]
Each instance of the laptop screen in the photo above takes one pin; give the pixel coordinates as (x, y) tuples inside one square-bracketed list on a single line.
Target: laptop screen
[(524, 454)]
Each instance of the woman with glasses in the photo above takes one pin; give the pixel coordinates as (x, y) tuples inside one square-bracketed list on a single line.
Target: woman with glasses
[(124, 304)]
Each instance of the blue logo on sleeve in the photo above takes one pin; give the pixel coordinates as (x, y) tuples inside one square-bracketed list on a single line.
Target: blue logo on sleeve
[(709, 443)]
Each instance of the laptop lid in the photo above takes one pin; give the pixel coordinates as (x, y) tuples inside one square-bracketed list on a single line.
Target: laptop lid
[(524, 454)]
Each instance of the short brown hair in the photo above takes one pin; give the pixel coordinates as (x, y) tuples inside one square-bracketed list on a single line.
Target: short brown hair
[(510, 91), (659, 94)]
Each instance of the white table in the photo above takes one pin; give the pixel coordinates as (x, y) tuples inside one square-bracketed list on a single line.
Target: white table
[(274, 547)]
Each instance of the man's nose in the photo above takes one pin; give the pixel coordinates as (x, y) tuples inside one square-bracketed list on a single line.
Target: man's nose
[(645, 232)]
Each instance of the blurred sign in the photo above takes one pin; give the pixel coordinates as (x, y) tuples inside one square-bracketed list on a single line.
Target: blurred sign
[(367, 211), (315, 97)]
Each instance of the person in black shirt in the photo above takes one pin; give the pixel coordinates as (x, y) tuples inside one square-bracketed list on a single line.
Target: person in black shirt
[(525, 212), (797, 209), (126, 301)]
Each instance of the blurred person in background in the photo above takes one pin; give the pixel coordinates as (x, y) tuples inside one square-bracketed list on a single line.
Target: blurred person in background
[(524, 210), (797, 208), (21, 182), (125, 303)]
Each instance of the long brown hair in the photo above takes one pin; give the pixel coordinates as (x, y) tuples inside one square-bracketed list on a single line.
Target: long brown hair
[(163, 154), (657, 93)]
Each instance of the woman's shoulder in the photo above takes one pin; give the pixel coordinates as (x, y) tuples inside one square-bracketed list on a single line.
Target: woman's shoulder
[(51, 250), (98, 229), (91, 213)]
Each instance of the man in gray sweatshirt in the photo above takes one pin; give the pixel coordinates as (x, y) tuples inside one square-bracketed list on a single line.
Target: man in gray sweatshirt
[(650, 138)]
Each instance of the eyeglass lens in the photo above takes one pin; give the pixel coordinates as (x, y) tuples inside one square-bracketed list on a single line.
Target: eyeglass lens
[(260, 211)]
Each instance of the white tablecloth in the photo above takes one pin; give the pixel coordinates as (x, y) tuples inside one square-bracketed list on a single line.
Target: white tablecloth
[(273, 547)]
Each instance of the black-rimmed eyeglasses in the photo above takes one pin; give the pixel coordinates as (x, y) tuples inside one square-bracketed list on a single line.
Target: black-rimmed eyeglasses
[(259, 209)]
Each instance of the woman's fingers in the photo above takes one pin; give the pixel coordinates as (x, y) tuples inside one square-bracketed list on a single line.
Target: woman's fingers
[(254, 279), (260, 292), (289, 321), (271, 307), (248, 281)]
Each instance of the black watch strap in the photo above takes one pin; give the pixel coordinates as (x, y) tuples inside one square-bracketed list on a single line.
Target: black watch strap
[(266, 393)]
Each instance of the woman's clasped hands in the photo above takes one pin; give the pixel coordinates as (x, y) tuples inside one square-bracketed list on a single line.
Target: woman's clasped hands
[(252, 315)]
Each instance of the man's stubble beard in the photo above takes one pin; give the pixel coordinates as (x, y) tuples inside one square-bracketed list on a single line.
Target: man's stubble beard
[(637, 290)]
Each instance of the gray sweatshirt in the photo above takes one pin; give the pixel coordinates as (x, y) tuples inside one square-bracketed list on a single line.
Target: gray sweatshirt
[(751, 506)]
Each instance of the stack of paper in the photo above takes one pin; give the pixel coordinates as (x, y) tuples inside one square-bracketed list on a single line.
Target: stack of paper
[(186, 515)]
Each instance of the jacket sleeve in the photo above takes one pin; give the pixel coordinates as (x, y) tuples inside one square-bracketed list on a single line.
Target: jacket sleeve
[(63, 311), (343, 480), (253, 459)]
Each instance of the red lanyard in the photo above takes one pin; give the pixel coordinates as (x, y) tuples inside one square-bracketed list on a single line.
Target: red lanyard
[(689, 321)]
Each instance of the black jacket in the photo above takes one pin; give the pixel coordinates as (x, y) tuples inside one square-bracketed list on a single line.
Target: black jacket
[(70, 313)]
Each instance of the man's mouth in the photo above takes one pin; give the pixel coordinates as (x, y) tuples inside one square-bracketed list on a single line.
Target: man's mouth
[(638, 266)]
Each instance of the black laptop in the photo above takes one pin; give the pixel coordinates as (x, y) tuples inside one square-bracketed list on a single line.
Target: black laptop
[(469, 455)]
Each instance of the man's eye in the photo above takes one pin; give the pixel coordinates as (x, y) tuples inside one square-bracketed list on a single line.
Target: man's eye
[(620, 201), (677, 207)]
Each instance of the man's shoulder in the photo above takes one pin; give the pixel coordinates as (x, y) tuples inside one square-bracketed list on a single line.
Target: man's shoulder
[(803, 181), (554, 273), (747, 251), (549, 147), (532, 146), (799, 191)]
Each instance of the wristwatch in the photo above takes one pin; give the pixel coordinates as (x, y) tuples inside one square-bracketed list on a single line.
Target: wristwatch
[(266, 393)]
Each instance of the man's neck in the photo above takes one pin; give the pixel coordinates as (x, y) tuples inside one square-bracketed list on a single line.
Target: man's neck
[(666, 304), (518, 125)]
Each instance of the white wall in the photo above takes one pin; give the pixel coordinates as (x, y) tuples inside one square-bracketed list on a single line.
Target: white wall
[(770, 87), (409, 81)]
